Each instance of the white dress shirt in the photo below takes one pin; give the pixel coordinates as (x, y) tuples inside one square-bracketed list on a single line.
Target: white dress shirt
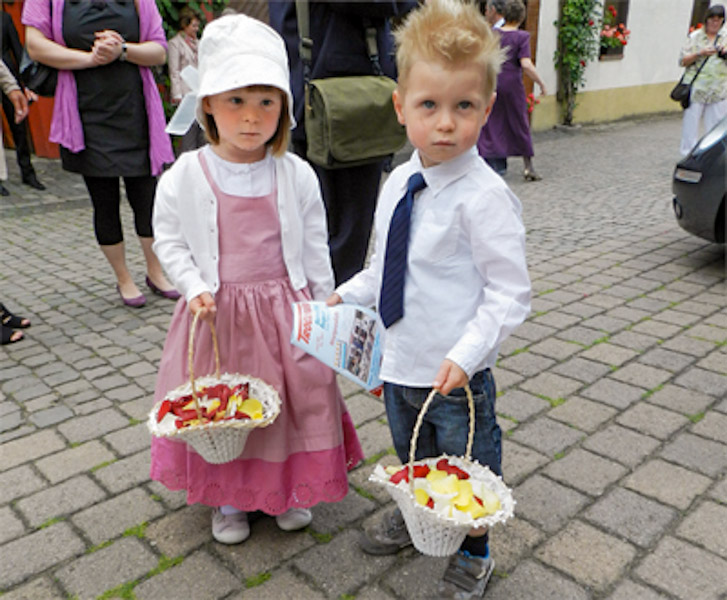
[(467, 286)]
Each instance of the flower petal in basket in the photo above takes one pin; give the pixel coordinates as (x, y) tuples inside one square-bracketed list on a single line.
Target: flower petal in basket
[(441, 531), (216, 441)]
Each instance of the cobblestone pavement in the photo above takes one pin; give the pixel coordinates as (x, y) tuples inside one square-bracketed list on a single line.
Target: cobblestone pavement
[(613, 399)]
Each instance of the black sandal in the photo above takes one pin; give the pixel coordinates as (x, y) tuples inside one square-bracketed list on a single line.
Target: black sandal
[(12, 321), (7, 336)]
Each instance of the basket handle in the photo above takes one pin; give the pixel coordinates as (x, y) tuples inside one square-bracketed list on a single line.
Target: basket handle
[(418, 425), (190, 357)]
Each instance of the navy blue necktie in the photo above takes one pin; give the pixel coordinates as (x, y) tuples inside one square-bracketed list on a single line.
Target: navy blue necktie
[(391, 301)]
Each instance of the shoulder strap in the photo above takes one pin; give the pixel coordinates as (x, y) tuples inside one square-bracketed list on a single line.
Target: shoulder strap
[(704, 62), (305, 47)]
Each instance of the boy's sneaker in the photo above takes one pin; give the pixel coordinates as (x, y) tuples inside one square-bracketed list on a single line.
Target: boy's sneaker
[(230, 529), (466, 577), (387, 535), (294, 519)]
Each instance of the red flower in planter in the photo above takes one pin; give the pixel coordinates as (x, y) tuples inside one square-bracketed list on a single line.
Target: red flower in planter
[(613, 34)]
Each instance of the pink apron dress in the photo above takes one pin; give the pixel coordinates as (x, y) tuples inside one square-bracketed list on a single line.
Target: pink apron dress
[(303, 457)]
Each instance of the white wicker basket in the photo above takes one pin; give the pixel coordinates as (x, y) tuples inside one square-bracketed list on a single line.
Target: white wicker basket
[(432, 532), (217, 441)]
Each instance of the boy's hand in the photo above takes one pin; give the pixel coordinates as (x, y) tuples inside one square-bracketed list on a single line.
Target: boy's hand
[(334, 299), (204, 304), (450, 376)]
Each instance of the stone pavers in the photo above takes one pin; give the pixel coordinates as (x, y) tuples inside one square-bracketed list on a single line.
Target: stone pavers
[(612, 400)]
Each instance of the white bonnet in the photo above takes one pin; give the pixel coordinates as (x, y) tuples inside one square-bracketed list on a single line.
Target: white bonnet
[(238, 51)]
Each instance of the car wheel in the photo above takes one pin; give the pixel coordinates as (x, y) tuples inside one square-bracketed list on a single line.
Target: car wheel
[(719, 226)]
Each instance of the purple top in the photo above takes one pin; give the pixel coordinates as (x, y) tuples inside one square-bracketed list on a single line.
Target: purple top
[(66, 128)]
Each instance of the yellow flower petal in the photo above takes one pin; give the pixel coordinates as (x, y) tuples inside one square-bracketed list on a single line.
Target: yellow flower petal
[(421, 496), (436, 474)]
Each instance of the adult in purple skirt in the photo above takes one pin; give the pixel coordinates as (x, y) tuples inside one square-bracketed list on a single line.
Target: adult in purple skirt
[(507, 131)]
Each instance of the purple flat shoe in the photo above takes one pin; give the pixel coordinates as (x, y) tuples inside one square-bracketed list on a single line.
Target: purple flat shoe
[(137, 302), (169, 294)]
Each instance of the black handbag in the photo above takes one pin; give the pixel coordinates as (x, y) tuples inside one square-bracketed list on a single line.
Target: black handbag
[(38, 77), (681, 93)]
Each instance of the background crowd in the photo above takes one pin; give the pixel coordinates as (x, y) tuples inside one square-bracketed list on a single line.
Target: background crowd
[(106, 82), (118, 144), (12, 52)]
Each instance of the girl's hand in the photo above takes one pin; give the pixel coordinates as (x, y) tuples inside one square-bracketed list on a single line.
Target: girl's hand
[(204, 304), (543, 91), (450, 376), (334, 299)]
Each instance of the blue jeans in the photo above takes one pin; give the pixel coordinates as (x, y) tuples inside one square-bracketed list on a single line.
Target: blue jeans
[(445, 425)]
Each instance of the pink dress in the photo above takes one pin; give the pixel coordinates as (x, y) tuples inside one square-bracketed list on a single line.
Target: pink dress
[(303, 457)]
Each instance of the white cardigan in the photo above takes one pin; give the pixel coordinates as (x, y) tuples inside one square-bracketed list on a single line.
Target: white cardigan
[(186, 230)]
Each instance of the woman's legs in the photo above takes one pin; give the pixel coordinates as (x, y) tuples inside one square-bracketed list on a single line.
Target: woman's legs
[(153, 266), (140, 192), (690, 127), (528, 170), (105, 197), (116, 255), (714, 113)]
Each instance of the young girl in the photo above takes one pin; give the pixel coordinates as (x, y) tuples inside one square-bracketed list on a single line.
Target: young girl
[(240, 228)]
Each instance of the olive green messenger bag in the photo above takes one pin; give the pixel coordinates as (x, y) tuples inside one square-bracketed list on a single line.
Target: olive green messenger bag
[(350, 120)]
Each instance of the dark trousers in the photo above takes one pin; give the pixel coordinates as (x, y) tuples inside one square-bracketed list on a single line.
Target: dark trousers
[(350, 198), (19, 132), (499, 165)]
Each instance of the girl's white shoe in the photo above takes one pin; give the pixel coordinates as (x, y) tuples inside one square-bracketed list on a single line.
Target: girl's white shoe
[(230, 529), (294, 518)]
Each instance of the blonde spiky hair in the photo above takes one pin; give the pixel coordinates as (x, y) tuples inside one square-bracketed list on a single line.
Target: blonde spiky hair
[(451, 32)]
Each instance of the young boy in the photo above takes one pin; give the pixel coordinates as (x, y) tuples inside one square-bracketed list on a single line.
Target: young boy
[(465, 280)]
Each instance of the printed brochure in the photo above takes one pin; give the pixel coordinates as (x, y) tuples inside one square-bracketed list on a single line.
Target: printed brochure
[(346, 337)]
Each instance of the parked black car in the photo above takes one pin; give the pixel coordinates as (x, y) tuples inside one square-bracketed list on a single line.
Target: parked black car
[(700, 187)]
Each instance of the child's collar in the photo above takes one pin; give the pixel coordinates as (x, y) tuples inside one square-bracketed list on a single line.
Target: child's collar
[(453, 164), (441, 175)]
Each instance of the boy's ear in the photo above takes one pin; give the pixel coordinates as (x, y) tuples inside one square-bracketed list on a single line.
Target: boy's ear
[(488, 110), (397, 99)]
